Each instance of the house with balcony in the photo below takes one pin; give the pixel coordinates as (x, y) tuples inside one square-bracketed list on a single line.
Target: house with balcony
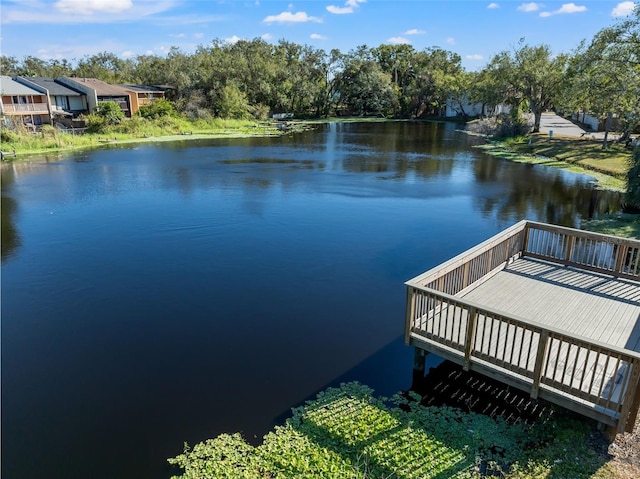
[(98, 91), (23, 104), (143, 95), (65, 103)]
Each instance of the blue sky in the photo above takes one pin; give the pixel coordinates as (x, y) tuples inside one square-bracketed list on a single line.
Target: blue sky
[(475, 29)]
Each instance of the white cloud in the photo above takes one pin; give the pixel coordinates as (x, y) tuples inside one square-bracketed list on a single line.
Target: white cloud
[(350, 6), (149, 52), (530, 7), (85, 11), (415, 31), (493, 5), (89, 7), (233, 39), (398, 41), (266, 36), (565, 8), (451, 41), (127, 54), (474, 57), (623, 9), (288, 17), (571, 8), (317, 36)]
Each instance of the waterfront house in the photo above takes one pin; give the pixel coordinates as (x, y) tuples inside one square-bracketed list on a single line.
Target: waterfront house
[(143, 95), (98, 91), (26, 105), (64, 102)]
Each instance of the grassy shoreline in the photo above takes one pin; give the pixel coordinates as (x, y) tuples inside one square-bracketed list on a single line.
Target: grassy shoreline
[(28, 145), (53, 142), (608, 167)]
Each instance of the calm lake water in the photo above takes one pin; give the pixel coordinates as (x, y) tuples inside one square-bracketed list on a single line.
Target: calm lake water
[(164, 293)]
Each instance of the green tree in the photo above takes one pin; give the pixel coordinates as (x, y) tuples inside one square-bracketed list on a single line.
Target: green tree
[(605, 75), (233, 102), (33, 67), (9, 65), (105, 66), (486, 88), (364, 88), (531, 75)]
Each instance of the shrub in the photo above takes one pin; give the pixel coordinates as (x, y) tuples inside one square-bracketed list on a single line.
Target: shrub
[(134, 126), (48, 131), (110, 112), (632, 195), (94, 123), (501, 126), (157, 109), (7, 136)]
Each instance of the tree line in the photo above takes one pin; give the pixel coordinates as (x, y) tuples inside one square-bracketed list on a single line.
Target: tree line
[(251, 78)]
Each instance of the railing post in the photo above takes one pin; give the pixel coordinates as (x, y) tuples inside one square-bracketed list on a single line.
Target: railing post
[(465, 277), (631, 401), (470, 339), (410, 314), (525, 239), (543, 342), (621, 254), (570, 245)]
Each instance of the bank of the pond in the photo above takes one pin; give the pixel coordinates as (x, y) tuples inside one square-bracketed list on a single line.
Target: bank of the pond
[(25, 146), (348, 432), (608, 167)]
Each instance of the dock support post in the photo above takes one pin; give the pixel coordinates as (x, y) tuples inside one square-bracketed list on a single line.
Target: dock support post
[(419, 358)]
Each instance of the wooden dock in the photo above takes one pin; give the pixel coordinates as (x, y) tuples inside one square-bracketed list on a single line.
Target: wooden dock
[(550, 310)]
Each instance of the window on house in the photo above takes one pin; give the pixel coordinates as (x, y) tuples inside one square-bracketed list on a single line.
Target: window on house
[(62, 102)]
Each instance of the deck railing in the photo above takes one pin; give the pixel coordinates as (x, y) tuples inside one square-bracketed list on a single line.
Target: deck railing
[(599, 380), (25, 108), (619, 257)]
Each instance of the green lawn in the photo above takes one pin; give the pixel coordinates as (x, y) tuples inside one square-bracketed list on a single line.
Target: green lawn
[(608, 166)]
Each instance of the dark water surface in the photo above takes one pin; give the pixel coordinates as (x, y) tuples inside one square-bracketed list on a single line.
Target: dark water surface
[(166, 293)]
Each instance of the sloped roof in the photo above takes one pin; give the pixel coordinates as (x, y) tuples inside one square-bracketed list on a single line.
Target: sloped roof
[(8, 86), (53, 87), (143, 88), (101, 88)]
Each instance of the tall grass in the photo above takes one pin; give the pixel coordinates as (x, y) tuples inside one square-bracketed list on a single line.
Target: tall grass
[(49, 139)]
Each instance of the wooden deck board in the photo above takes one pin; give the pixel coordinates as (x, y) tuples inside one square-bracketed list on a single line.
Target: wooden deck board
[(583, 303)]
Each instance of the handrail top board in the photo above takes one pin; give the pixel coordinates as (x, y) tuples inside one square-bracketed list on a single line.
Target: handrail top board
[(463, 257), (531, 325), (517, 228)]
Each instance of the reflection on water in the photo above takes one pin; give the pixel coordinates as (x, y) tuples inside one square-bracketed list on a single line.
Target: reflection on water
[(174, 291), (10, 236)]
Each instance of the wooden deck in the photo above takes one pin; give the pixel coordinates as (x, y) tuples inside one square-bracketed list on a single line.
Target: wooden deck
[(582, 303), (550, 310)]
